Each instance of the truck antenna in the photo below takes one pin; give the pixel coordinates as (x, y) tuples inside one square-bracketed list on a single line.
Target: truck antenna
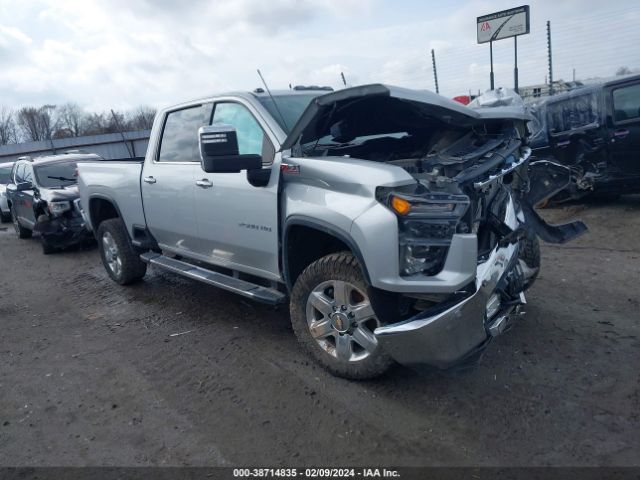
[(115, 119), (284, 123)]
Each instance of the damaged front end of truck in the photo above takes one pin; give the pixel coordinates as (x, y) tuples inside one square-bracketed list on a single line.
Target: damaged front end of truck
[(467, 229)]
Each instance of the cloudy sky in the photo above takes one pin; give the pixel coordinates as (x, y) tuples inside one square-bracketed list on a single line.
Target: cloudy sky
[(123, 53)]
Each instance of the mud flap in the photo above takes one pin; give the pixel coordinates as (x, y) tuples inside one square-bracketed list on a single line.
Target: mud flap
[(551, 233)]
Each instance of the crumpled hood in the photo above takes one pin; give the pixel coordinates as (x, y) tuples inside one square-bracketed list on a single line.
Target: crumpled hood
[(375, 109), (69, 193)]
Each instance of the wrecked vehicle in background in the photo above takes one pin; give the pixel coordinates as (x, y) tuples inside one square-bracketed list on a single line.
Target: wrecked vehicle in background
[(42, 196), (5, 178), (594, 132), (395, 223)]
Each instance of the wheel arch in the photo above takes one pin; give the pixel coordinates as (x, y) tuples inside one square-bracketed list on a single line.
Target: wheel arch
[(318, 238), (102, 208)]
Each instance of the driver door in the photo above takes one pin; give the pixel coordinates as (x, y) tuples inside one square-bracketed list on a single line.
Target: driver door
[(624, 143), (238, 222)]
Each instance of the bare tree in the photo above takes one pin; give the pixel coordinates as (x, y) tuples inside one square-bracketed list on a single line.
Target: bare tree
[(93, 124), (70, 117), (623, 71), (36, 123), (141, 118), (8, 129)]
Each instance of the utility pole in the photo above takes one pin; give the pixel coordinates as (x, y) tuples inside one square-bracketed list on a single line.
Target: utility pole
[(435, 70), (549, 55)]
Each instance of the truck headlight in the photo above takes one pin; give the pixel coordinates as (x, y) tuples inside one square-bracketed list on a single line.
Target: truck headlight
[(58, 208), (426, 224)]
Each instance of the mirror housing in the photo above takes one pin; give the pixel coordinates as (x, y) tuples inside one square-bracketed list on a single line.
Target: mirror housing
[(219, 151), (22, 186)]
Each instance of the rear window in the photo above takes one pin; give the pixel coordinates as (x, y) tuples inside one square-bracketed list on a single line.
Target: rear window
[(59, 174), (575, 112)]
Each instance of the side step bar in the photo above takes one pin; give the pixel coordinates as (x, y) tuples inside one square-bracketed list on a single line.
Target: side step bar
[(241, 287)]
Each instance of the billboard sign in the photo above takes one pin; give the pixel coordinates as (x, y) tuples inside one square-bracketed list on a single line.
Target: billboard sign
[(504, 24)]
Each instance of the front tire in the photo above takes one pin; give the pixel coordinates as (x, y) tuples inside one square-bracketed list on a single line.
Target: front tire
[(47, 248), (119, 257), (333, 318), (20, 230), (530, 255)]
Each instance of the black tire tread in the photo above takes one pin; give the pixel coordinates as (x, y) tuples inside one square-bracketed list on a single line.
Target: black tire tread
[(22, 231), (344, 266), (133, 269), (530, 253)]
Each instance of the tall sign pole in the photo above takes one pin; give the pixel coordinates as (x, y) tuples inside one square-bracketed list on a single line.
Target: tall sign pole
[(503, 24), (491, 60)]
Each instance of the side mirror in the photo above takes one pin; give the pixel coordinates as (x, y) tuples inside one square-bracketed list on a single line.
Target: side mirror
[(22, 186), (219, 151)]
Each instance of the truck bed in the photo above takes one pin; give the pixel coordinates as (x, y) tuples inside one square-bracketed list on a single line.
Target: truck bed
[(117, 181)]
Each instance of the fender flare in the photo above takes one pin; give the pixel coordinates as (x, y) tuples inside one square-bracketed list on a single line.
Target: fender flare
[(325, 227)]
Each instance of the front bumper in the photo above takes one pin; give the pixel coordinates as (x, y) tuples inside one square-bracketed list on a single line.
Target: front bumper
[(63, 231), (448, 337)]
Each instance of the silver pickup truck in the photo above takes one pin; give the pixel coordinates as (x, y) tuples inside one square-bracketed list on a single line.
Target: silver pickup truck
[(397, 224)]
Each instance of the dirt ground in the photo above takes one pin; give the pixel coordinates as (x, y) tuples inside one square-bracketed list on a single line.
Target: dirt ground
[(90, 373)]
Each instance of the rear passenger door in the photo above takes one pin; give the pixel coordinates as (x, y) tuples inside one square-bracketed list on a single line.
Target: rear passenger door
[(168, 185), (238, 222), (624, 141)]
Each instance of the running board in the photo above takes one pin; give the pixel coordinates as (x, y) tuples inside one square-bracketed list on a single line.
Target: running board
[(241, 287)]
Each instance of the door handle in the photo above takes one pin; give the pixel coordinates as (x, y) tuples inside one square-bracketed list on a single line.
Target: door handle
[(620, 133), (149, 179), (204, 183)]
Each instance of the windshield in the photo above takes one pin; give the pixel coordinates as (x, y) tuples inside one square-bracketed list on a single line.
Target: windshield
[(59, 174), (290, 106), (5, 174)]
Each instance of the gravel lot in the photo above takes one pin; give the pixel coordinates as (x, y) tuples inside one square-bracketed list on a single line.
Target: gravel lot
[(90, 374)]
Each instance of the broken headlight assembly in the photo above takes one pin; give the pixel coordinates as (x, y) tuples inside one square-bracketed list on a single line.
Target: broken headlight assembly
[(57, 208), (426, 224)]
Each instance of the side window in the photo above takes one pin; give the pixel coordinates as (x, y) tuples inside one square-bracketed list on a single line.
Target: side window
[(19, 175), (251, 137), (626, 103), (28, 174), (179, 141)]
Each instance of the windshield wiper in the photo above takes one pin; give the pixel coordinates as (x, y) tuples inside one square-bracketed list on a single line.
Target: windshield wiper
[(64, 179)]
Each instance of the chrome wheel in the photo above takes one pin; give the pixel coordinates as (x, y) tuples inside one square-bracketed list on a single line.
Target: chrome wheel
[(341, 320), (111, 254)]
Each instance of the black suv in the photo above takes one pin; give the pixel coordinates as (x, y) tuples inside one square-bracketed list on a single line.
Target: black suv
[(42, 197), (595, 132)]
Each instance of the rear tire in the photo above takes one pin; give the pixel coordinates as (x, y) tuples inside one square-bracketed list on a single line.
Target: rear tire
[(20, 230), (342, 344), (5, 217), (119, 257)]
